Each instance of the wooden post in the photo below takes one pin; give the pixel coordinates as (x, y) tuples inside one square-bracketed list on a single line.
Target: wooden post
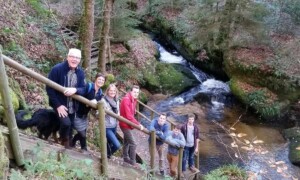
[(152, 151), (197, 162), (103, 140), (180, 162), (152, 115), (9, 114)]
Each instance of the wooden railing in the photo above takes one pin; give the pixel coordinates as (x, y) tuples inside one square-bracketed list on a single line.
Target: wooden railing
[(100, 106)]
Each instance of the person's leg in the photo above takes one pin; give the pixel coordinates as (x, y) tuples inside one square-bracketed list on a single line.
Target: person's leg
[(191, 156), (174, 165), (160, 149), (75, 139), (132, 147), (82, 139), (169, 158), (112, 140), (126, 144), (185, 158), (65, 124), (71, 117)]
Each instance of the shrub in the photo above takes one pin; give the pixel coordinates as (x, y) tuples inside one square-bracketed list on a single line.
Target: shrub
[(226, 172)]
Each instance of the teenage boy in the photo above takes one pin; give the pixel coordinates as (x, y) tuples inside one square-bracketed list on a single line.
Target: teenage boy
[(127, 110), (177, 139), (191, 134), (161, 129)]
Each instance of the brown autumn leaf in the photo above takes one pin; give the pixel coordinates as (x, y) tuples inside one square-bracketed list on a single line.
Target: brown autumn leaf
[(232, 134), (236, 155), (258, 141), (246, 148), (247, 141), (279, 162), (298, 148), (233, 144), (279, 170), (232, 129), (241, 135)]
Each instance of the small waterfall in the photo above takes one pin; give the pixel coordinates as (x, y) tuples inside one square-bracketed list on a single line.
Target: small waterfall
[(213, 90)]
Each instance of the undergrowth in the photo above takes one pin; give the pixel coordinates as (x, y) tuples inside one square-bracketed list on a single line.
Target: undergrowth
[(54, 165)]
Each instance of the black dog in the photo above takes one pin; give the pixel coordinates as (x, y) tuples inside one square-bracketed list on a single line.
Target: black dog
[(45, 120)]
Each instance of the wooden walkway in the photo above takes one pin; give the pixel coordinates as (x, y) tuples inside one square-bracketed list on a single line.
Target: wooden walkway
[(116, 168)]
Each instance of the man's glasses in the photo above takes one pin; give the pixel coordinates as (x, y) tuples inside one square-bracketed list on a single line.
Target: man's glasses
[(74, 57)]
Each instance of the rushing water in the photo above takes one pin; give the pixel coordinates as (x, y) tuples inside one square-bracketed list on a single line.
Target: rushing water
[(261, 149)]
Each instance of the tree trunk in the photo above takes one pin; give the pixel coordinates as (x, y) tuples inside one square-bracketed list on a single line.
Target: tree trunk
[(87, 31), (104, 36)]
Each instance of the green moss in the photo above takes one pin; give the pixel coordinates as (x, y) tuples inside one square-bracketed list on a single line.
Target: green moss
[(227, 172), (260, 99), (164, 78), (3, 158), (15, 102), (15, 86), (110, 78)]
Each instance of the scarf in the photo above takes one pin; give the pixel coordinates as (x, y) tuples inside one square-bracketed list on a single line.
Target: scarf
[(113, 104)]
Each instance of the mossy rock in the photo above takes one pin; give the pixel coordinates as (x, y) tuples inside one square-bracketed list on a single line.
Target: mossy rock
[(15, 86), (262, 100), (3, 158), (165, 78), (293, 134), (109, 78), (15, 102)]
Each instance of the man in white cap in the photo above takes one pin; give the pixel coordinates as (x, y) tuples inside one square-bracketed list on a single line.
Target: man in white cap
[(69, 75)]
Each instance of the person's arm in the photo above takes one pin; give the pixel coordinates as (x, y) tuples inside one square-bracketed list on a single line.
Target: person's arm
[(181, 141), (165, 131), (126, 104), (151, 127), (52, 93)]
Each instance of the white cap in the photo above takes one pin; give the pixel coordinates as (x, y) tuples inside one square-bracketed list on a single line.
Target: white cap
[(74, 52)]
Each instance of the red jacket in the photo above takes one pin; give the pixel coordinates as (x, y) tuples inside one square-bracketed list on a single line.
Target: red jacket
[(127, 110)]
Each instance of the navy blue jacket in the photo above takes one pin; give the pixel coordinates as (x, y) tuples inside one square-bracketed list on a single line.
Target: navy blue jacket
[(90, 94), (161, 131), (59, 75)]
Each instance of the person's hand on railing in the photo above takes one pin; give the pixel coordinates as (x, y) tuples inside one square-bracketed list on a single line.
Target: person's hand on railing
[(141, 127), (94, 101), (62, 111), (70, 91)]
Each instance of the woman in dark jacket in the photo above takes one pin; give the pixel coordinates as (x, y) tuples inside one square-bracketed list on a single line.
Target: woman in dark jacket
[(91, 91)]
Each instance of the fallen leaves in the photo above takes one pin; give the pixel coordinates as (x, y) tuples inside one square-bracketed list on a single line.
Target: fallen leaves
[(241, 135), (258, 142)]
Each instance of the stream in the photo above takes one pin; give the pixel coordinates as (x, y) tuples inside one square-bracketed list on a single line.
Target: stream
[(258, 148)]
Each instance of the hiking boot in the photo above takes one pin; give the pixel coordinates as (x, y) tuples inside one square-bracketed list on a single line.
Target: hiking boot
[(85, 152), (193, 169), (127, 160)]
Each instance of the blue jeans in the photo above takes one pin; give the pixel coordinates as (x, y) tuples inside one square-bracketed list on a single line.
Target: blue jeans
[(113, 143), (188, 155)]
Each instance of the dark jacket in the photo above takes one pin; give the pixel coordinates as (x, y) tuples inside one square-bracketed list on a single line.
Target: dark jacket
[(58, 74), (161, 131), (196, 133), (90, 94)]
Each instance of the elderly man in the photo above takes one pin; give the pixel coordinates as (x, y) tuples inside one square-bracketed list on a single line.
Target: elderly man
[(69, 75)]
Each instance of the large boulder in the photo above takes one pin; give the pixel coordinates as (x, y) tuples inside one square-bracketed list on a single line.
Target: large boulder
[(165, 78)]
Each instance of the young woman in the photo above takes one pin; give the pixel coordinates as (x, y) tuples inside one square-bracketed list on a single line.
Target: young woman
[(111, 103), (92, 91)]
